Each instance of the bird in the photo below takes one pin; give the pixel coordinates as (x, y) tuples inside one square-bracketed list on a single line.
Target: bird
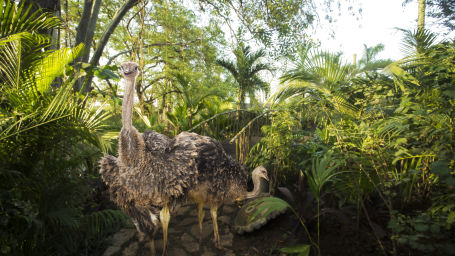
[(154, 174)]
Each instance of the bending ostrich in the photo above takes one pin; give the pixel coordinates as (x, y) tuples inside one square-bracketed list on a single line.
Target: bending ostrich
[(154, 174)]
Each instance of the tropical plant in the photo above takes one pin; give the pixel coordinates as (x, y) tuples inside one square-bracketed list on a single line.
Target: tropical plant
[(245, 71), (50, 139), (268, 205), (192, 101)]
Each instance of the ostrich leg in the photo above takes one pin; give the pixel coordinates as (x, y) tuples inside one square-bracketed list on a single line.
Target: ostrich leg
[(165, 217), (200, 215), (152, 243), (213, 212)]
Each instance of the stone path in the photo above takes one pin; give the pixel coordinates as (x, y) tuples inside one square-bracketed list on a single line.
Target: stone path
[(183, 238)]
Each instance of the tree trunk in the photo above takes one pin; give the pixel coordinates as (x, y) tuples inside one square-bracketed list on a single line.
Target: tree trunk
[(421, 17), (85, 32), (105, 38), (81, 30), (91, 29), (52, 6)]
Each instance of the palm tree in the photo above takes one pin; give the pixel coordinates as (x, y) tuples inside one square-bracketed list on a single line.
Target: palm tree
[(368, 62), (245, 71), (47, 139), (321, 81)]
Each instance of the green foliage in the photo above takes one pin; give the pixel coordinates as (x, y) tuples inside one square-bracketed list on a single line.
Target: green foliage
[(270, 204), (300, 250), (245, 71), (426, 232), (390, 131), (323, 171), (50, 142)]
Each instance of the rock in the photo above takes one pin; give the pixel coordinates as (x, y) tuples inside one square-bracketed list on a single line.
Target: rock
[(187, 221), (229, 253), (225, 219), (207, 230), (226, 240), (187, 238), (123, 236), (111, 250), (229, 209), (177, 252), (131, 250), (182, 211), (173, 231), (208, 253), (192, 213), (189, 243), (243, 221)]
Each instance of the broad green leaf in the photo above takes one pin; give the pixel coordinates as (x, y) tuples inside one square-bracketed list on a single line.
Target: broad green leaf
[(450, 93), (301, 249), (440, 167), (104, 73), (268, 205)]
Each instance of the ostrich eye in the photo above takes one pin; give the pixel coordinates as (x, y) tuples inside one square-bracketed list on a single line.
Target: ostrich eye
[(135, 68)]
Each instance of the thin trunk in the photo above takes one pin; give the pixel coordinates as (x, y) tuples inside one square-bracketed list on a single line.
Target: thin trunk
[(139, 88), (105, 38), (81, 30), (91, 29), (354, 60), (81, 35), (421, 17)]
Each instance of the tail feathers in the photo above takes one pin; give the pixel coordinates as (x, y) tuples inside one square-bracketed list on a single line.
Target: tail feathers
[(108, 167)]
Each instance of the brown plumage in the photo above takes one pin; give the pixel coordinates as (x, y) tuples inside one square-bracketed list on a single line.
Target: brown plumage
[(154, 174)]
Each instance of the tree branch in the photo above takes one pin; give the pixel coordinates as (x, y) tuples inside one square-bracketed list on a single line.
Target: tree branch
[(148, 46)]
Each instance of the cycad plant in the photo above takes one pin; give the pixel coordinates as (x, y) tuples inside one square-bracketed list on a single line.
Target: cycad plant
[(50, 139)]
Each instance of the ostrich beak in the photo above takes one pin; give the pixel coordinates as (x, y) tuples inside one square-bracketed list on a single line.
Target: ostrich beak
[(264, 175)]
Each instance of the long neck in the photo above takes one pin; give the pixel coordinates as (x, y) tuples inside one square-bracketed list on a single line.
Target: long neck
[(257, 190), (128, 102)]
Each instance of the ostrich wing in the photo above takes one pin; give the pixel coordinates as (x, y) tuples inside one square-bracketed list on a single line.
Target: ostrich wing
[(155, 142), (140, 215), (164, 176), (214, 166)]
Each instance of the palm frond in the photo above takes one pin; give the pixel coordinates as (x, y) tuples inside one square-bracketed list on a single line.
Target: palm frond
[(101, 221), (54, 65), (16, 19), (417, 41)]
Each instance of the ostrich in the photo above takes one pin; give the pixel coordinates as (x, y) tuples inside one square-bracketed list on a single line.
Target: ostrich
[(154, 174)]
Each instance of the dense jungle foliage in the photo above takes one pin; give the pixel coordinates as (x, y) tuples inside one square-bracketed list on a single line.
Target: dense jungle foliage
[(366, 145)]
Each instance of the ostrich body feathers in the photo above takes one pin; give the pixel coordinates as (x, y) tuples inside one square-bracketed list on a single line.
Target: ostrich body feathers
[(189, 167)]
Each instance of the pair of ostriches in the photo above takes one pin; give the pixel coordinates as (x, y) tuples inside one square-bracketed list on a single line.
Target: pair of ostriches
[(154, 174)]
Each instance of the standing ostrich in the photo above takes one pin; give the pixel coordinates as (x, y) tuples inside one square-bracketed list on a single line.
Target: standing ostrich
[(154, 174)]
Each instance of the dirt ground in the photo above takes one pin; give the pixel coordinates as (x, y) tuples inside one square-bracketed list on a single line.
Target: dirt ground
[(336, 239)]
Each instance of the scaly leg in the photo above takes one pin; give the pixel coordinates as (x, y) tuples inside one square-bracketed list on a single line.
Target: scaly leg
[(165, 217), (152, 247), (155, 227), (200, 215), (213, 212)]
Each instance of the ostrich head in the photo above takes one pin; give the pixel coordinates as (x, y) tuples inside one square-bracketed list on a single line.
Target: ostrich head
[(130, 69), (260, 172)]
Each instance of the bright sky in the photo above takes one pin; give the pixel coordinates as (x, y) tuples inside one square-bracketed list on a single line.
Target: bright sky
[(377, 24)]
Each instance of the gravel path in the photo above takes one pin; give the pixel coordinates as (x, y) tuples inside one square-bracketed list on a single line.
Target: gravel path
[(183, 237)]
